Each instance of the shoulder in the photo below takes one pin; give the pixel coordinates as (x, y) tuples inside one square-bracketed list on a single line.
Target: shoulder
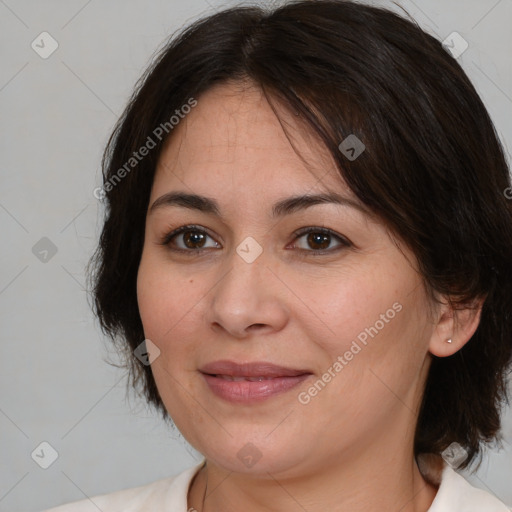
[(160, 495), (456, 494), (116, 501), (459, 494)]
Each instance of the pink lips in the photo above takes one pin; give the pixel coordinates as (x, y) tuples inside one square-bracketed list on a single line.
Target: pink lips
[(250, 382)]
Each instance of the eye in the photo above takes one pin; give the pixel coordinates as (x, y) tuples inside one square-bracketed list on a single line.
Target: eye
[(319, 240), (190, 239)]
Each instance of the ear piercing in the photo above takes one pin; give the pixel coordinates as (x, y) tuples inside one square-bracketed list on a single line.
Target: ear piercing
[(449, 340)]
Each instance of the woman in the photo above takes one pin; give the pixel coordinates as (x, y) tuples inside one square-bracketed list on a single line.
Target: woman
[(306, 257)]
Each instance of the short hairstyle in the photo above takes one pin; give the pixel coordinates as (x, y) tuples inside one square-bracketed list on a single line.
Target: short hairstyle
[(433, 171)]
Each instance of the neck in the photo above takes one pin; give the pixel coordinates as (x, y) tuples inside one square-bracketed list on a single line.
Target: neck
[(357, 486)]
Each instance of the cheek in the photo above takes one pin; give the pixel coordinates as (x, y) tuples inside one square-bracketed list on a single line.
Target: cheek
[(161, 297), (166, 309), (367, 325), (170, 309), (150, 297), (353, 306)]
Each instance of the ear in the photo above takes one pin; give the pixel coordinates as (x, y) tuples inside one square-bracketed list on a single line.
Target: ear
[(457, 324)]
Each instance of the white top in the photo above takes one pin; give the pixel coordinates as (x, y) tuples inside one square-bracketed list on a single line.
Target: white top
[(455, 494)]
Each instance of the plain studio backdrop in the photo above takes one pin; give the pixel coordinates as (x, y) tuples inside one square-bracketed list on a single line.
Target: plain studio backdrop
[(60, 99)]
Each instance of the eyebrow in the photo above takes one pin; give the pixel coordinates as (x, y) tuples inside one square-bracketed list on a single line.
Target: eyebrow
[(281, 208)]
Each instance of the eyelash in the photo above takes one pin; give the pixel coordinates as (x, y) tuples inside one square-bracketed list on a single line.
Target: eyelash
[(344, 243)]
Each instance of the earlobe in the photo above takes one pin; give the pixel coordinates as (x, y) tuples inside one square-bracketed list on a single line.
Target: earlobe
[(455, 327)]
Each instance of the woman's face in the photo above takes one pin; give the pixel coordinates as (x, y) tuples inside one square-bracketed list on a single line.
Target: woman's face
[(249, 286)]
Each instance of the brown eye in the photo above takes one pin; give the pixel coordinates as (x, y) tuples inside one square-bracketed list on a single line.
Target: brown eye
[(318, 240), (191, 238), (188, 239)]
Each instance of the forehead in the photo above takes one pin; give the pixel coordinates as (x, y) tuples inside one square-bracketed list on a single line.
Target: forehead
[(233, 139)]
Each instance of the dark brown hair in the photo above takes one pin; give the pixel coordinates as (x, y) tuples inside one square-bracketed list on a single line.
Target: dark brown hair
[(433, 171)]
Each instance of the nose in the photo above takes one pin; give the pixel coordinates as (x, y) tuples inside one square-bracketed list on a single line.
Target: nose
[(248, 298)]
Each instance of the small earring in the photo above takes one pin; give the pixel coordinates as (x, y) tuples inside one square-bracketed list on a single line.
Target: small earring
[(449, 340)]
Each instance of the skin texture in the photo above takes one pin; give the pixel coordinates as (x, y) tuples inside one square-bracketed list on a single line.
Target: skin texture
[(351, 447)]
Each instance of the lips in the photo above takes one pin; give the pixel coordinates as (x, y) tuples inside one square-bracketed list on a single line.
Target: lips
[(249, 379), (231, 370), (248, 383)]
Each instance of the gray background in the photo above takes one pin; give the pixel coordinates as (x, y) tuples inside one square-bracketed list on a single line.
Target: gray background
[(56, 116)]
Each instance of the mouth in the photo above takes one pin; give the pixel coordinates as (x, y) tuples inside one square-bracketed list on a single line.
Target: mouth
[(250, 382), (232, 378), (257, 369)]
